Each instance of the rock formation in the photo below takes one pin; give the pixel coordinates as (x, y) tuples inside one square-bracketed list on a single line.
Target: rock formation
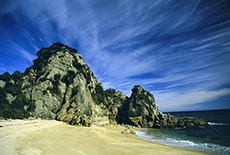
[(60, 85), (139, 109), (169, 121)]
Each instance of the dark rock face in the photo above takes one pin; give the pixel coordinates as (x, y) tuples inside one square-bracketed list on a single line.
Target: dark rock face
[(139, 110), (169, 121), (113, 103)]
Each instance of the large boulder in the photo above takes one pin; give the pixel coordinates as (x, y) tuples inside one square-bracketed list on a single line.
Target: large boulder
[(139, 109)]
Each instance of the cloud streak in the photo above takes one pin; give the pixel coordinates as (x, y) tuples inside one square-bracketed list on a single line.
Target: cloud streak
[(189, 100), (166, 46)]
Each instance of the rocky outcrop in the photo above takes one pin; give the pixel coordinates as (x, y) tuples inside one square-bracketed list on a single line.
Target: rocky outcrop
[(169, 121), (60, 85), (139, 109)]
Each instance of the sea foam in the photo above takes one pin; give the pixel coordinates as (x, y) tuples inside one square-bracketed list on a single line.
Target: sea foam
[(208, 147), (213, 123)]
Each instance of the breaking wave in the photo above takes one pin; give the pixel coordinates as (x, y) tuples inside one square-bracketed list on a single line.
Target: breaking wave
[(213, 123), (208, 147)]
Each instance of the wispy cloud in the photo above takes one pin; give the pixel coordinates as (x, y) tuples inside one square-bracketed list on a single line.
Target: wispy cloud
[(188, 101), (2, 68), (166, 46), (26, 54)]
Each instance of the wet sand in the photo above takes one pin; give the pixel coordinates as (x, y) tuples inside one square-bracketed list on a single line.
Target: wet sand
[(49, 137)]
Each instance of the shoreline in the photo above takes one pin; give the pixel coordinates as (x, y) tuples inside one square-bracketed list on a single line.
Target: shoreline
[(54, 137)]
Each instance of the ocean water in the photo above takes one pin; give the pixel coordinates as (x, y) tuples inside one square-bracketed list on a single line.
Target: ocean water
[(214, 138)]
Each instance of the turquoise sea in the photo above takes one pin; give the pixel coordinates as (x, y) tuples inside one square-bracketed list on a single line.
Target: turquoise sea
[(214, 138)]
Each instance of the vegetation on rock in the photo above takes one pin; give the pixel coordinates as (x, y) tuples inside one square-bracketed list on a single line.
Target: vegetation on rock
[(45, 53), (99, 94), (20, 106)]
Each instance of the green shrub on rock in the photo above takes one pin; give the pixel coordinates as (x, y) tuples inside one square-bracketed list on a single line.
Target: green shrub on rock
[(14, 87), (110, 92), (5, 77), (99, 95)]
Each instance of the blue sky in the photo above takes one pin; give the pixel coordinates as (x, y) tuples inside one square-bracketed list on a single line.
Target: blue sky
[(177, 50)]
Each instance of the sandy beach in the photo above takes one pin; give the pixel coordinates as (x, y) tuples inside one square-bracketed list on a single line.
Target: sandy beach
[(50, 137)]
